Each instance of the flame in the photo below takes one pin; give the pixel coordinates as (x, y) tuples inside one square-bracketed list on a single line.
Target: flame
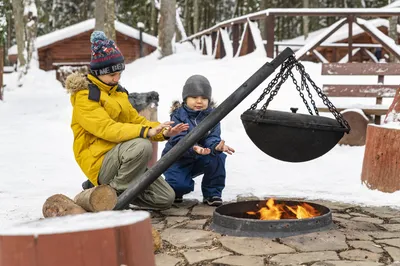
[(277, 211)]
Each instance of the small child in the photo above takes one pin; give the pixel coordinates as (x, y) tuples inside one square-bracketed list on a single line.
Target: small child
[(207, 156)]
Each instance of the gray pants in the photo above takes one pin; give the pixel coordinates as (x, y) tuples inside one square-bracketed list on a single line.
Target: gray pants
[(125, 163)]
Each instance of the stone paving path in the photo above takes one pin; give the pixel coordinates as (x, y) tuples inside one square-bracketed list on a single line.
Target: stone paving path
[(361, 236)]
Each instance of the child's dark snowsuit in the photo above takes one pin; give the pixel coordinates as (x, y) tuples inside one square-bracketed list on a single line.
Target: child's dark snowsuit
[(180, 175)]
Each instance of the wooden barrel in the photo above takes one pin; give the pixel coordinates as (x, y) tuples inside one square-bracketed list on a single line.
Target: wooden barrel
[(110, 238), (381, 164)]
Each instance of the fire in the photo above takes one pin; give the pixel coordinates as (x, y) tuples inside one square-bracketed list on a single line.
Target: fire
[(277, 211)]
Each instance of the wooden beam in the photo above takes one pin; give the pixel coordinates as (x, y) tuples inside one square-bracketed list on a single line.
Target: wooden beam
[(379, 39), (235, 38), (213, 40), (374, 90), (332, 29), (392, 69), (270, 27), (350, 20)]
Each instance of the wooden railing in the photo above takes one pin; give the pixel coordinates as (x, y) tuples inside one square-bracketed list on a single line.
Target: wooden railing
[(243, 40)]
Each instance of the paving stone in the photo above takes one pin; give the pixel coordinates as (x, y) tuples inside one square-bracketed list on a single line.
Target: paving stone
[(240, 261), (341, 215), (391, 242), (359, 214), (355, 225), (384, 234), (166, 260), (203, 210), (366, 245), (393, 252), (246, 197), (356, 235), (396, 263), (176, 212), (159, 226), (358, 254), (346, 263), (340, 206), (196, 256), (382, 212), (320, 241), (175, 220), (300, 258), (196, 224), (188, 238), (392, 227), (156, 220), (253, 246), (395, 221), (367, 219), (186, 204)]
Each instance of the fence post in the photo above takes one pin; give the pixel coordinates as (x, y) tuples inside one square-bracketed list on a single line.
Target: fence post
[(270, 26), (235, 38)]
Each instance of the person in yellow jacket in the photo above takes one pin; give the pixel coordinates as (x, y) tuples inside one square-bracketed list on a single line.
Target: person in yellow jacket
[(111, 140)]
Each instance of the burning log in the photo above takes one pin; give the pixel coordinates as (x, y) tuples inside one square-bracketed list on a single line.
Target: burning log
[(381, 169), (100, 198)]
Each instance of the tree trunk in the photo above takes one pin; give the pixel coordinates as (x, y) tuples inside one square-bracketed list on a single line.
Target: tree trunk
[(393, 114), (18, 10), (100, 198), (31, 29), (186, 17), (167, 27), (60, 205), (109, 26), (100, 14), (305, 20), (381, 169), (154, 19), (196, 15)]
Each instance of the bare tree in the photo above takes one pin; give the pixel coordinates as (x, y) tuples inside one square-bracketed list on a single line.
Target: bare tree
[(154, 18), (30, 16), (18, 10), (305, 20), (196, 15), (105, 17), (166, 27)]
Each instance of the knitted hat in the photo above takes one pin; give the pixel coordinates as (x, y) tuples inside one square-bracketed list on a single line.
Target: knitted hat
[(197, 85), (106, 57)]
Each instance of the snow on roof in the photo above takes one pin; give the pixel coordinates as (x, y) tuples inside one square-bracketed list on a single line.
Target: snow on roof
[(84, 26), (392, 5), (341, 34)]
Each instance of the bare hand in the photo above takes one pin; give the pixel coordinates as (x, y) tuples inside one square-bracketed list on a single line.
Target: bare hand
[(154, 131), (201, 150), (170, 132), (224, 148)]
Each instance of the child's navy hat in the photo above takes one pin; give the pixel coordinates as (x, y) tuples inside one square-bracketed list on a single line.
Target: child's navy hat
[(197, 85), (106, 58)]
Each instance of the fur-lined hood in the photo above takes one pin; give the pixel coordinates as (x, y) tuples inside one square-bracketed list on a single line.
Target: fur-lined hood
[(76, 82), (177, 104)]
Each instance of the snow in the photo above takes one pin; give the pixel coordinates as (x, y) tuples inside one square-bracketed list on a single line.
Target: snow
[(345, 58), (37, 161), (227, 42), (76, 223), (357, 110), (258, 41), (84, 26)]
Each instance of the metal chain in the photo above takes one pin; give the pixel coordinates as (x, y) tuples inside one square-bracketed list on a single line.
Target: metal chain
[(282, 76)]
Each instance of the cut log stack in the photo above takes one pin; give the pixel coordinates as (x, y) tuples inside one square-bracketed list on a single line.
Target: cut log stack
[(381, 165)]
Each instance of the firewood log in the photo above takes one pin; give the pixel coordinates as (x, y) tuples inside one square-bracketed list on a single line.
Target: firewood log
[(157, 242), (100, 198), (60, 205)]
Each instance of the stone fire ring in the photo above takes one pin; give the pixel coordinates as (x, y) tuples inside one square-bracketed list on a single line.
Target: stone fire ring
[(111, 238), (228, 219)]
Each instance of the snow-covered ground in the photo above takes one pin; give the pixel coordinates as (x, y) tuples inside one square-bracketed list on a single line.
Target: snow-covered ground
[(36, 158)]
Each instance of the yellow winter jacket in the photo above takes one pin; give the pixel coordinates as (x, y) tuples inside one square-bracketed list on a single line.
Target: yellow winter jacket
[(102, 117)]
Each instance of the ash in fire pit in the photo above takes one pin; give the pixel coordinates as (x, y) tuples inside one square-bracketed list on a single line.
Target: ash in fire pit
[(270, 218)]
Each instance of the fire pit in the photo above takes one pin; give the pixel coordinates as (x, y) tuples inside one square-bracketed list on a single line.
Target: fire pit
[(272, 218)]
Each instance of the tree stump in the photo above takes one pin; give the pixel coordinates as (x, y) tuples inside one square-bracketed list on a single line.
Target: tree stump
[(111, 238), (381, 165), (358, 123), (60, 205)]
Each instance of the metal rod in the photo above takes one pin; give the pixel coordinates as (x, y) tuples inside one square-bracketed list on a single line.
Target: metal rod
[(141, 183)]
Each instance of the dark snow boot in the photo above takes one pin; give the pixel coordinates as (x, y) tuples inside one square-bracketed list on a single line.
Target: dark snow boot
[(87, 184)]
